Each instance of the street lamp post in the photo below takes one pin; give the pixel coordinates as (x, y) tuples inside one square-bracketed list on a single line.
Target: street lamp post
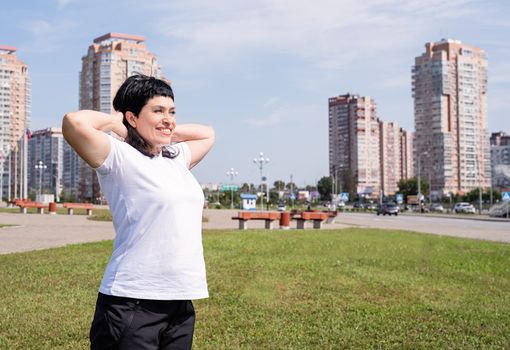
[(479, 185), (40, 165), (419, 179), (261, 161), (232, 173)]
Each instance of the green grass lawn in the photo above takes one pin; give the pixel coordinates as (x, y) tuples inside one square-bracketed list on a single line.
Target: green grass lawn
[(343, 289)]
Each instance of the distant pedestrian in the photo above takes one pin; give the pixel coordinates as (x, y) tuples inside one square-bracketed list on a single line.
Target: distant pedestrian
[(157, 266)]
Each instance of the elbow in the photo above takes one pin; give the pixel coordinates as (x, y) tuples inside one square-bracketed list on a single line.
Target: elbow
[(212, 134), (69, 123)]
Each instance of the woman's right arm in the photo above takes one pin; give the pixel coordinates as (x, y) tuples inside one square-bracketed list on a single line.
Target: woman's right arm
[(85, 131)]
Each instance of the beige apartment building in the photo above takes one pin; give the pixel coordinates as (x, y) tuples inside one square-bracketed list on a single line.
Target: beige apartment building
[(406, 154), (396, 156), (110, 59), (15, 112), (450, 107), (354, 144)]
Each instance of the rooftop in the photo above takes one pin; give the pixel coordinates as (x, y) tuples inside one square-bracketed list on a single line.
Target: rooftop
[(121, 36), (9, 49)]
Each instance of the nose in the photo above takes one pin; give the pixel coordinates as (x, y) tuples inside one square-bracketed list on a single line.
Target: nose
[(168, 120), (168, 117)]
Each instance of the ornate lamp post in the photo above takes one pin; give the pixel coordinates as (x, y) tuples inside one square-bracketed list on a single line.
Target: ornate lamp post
[(231, 173), (261, 161)]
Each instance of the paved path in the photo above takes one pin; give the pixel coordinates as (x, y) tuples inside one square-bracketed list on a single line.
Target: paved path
[(35, 231)]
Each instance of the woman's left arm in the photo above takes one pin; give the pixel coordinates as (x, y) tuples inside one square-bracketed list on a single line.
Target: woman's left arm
[(200, 139)]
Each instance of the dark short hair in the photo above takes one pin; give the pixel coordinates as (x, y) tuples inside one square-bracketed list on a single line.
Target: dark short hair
[(132, 95)]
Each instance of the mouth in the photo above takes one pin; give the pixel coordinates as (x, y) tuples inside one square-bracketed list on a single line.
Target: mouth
[(165, 131)]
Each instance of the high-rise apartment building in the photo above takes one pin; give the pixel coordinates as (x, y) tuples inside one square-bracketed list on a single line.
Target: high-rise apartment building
[(500, 161), (450, 108), (354, 146), (15, 111), (406, 154), (45, 157), (110, 59), (395, 157)]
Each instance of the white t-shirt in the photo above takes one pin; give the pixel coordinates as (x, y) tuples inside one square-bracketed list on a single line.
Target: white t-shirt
[(156, 204)]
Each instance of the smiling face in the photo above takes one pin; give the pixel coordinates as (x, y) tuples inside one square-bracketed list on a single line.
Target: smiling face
[(155, 122)]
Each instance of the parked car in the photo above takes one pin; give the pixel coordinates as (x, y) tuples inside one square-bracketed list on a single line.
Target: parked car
[(370, 206), (281, 207), (387, 208), (464, 207), (500, 210), (436, 208)]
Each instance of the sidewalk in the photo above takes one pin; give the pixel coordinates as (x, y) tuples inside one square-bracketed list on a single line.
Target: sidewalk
[(36, 231)]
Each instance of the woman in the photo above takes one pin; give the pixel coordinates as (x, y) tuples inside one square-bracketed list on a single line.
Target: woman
[(157, 266)]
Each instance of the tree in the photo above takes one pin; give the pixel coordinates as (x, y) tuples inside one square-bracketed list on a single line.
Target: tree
[(246, 187), (279, 185), (349, 183), (474, 195), (324, 187), (291, 186), (409, 187), (310, 188)]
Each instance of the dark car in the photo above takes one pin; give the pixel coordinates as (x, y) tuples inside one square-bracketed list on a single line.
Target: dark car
[(387, 208)]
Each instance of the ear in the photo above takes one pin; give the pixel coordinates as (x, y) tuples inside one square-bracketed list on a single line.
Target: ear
[(130, 117)]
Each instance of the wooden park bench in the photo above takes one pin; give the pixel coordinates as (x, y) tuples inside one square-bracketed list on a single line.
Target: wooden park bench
[(24, 205), (317, 217), (268, 216), (71, 206), (332, 214)]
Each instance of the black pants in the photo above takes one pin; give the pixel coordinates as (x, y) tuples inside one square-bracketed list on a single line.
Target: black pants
[(140, 324)]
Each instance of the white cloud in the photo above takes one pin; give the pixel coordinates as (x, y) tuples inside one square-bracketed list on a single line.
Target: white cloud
[(61, 4), (327, 33), (46, 36), (273, 118), (271, 101)]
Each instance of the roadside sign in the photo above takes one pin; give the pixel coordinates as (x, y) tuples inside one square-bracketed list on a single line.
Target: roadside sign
[(400, 198), (412, 200), (345, 196), (506, 196), (225, 188)]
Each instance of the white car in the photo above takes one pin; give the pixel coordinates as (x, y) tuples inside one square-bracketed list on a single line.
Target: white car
[(464, 207), (436, 207)]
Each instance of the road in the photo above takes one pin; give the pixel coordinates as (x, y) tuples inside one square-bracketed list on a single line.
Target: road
[(467, 227)]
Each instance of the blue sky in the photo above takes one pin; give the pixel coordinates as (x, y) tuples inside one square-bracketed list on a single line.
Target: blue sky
[(261, 72)]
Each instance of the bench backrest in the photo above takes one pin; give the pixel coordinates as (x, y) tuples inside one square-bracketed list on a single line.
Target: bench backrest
[(27, 204), (265, 215), (314, 215), (79, 205)]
